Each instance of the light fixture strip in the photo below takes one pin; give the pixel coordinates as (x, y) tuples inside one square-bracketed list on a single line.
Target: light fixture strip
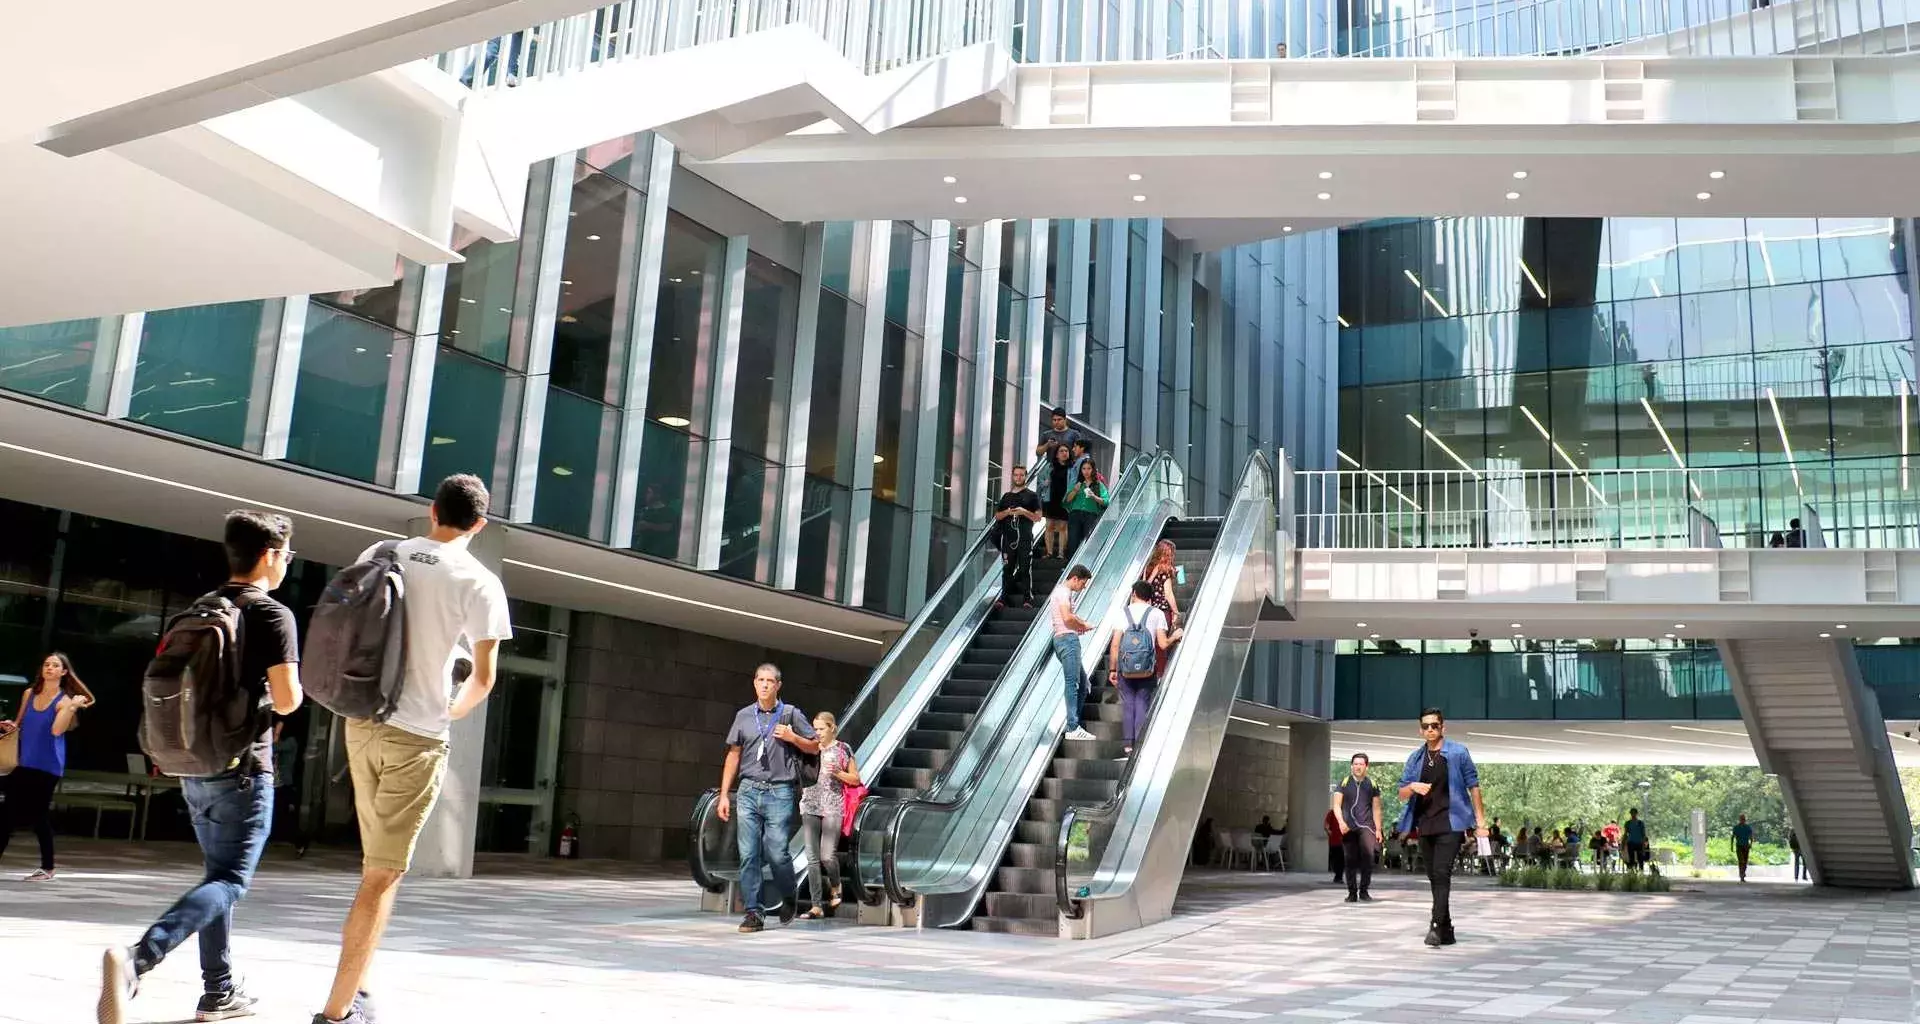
[(1532, 280), (1785, 445), (1905, 429), (1671, 450)]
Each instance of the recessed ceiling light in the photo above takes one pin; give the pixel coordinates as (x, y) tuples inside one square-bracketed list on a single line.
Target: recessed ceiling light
[(1373, 636), (1326, 195), (676, 421), (1669, 636), (1519, 636), (358, 349), (593, 238), (443, 440), (676, 280), (469, 301), (1139, 199), (878, 459), (1703, 195), (1840, 625), (569, 319), (1519, 175), (1679, 625), (950, 179), (1716, 175), (1826, 636), (1287, 230), (1133, 177), (959, 199), (562, 471), (1326, 175), (1360, 625), (504, 309), (1513, 195), (566, 282), (1513, 625), (695, 273)]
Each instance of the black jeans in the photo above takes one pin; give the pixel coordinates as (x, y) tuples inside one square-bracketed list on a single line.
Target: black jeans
[(1016, 566), (1359, 862), (1440, 852), (1337, 860), (29, 799), (1079, 527)]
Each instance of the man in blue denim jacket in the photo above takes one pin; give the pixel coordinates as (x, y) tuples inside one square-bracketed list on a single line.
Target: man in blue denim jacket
[(1441, 788)]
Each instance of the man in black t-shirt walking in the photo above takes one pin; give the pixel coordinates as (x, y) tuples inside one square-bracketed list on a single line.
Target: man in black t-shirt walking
[(232, 811), (1356, 804), (1013, 518)]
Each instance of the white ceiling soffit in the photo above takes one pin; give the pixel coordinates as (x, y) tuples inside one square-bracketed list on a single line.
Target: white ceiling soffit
[(74, 461), (1211, 234), (149, 68)]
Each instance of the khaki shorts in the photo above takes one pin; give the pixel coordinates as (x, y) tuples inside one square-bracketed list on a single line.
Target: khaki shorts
[(396, 779)]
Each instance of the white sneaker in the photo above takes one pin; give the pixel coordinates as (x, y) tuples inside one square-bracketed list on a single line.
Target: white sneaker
[(1081, 734)]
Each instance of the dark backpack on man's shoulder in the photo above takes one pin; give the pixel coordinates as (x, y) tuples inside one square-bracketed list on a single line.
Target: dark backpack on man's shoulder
[(354, 661), (197, 716)]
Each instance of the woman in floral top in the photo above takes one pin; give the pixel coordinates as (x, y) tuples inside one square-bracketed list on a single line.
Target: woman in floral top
[(1159, 575), (820, 812)]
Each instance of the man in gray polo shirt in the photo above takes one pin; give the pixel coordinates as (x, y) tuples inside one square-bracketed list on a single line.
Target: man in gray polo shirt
[(774, 735)]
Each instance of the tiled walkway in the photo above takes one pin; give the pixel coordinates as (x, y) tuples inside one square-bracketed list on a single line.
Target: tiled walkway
[(598, 943)]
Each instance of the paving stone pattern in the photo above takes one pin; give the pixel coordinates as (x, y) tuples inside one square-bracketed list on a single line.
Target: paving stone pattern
[(600, 941)]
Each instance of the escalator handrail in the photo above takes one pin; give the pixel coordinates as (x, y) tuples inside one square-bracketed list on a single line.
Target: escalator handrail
[(703, 808), (697, 851), (1069, 905), (889, 866)]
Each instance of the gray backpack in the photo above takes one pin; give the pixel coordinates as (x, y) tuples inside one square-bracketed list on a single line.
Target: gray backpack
[(355, 657), (1137, 654)]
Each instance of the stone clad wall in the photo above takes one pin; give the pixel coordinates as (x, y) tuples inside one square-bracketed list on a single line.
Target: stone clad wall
[(1249, 780), (647, 710)]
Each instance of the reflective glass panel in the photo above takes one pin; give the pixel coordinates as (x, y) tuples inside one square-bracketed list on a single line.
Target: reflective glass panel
[(691, 266), (198, 367), (348, 397), (472, 418), (66, 362), (576, 443)]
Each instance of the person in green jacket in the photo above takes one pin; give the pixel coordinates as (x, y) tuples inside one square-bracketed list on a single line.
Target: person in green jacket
[(1086, 499)]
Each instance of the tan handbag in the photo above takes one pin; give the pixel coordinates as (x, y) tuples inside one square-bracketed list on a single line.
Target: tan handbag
[(9, 752)]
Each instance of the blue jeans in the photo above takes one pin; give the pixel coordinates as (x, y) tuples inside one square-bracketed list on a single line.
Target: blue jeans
[(232, 815), (1067, 649), (765, 813)]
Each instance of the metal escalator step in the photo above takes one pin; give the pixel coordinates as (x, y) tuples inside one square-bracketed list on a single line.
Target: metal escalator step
[(1106, 742), (1103, 769), (1022, 905), (957, 687), (943, 722), (1079, 790), (1030, 880), (995, 642), (1017, 926), (1043, 833), (907, 778), (1029, 855), (933, 739), (941, 704), (892, 792), (1001, 626), (983, 672), (1042, 810), (912, 758)]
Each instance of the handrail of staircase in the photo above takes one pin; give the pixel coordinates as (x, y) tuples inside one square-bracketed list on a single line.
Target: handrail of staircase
[(1146, 466), (875, 35)]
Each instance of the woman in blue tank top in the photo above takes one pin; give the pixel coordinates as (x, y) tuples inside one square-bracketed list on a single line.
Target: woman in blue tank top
[(47, 710)]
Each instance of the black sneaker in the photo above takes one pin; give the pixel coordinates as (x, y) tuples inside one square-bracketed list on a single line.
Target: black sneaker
[(787, 909), (1353, 897), (1365, 896), (1433, 936), (234, 1002), (752, 923), (1446, 936)]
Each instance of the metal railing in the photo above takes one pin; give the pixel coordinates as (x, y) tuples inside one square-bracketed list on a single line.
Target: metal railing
[(1223, 29), (1619, 508), (876, 35)]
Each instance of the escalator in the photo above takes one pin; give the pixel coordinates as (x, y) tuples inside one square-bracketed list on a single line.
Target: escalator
[(1118, 862), (939, 852), (1019, 897), (910, 713)]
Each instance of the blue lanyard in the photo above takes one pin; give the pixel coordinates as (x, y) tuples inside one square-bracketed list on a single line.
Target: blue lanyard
[(766, 730)]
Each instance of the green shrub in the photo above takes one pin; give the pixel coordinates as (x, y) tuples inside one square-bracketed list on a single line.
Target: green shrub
[(1659, 883), (1568, 879), (1633, 882), (1534, 877), (1606, 881), (1510, 876)]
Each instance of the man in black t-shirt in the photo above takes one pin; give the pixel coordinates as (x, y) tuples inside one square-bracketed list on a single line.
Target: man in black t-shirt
[(1013, 518), (232, 811), (1356, 804)]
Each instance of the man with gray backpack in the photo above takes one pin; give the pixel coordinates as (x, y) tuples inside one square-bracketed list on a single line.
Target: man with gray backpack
[(382, 652), (1133, 658), (222, 666)]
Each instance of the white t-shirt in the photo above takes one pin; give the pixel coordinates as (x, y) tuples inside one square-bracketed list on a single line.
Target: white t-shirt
[(451, 597), (1059, 607), (1147, 614)]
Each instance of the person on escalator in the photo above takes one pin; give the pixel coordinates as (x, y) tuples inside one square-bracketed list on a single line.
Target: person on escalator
[(1054, 481), (1013, 518), (1086, 499), (1160, 574), (1133, 661), (1067, 628)]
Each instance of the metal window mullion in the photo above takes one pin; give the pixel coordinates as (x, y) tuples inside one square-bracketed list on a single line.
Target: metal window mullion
[(1110, 320), (551, 243), (985, 252), (723, 369), (638, 374), (412, 446), (1032, 272), (867, 356), (267, 345), (926, 413), (1076, 236), (126, 360), (1214, 350), (1183, 341), (1267, 423), (799, 407), (1152, 287), (284, 372)]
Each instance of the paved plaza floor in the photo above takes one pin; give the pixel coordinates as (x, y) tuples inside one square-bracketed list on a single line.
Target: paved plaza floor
[(600, 942)]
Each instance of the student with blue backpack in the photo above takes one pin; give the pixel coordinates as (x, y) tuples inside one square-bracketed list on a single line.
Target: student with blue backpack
[(1134, 659)]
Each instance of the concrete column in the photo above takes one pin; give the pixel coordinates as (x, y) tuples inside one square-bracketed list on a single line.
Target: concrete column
[(1309, 751), (446, 844)]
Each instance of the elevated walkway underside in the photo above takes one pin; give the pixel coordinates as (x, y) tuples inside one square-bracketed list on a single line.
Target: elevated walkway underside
[(1367, 138)]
